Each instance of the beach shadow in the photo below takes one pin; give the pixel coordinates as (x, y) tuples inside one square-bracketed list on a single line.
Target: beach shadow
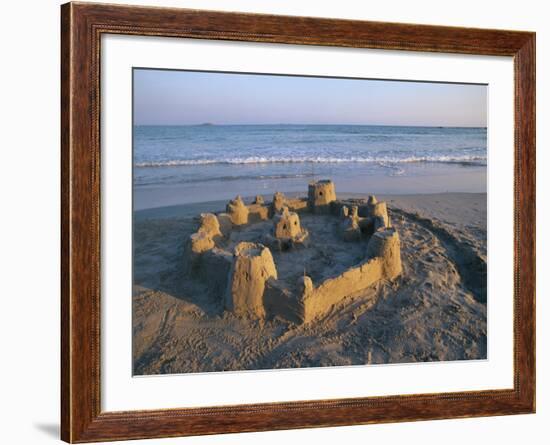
[(178, 284), (49, 429), (159, 263)]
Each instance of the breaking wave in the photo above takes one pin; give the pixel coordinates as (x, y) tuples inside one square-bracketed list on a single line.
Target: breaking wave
[(383, 161)]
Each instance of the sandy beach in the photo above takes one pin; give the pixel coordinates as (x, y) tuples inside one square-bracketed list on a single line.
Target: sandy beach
[(435, 311)]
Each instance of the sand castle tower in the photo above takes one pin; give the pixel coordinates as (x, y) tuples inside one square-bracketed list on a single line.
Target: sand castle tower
[(286, 225), (252, 266), (378, 211), (380, 215), (277, 203), (386, 245), (372, 200), (259, 200), (287, 231), (238, 211), (208, 232), (350, 224), (320, 194), (210, 225), (201, 242)]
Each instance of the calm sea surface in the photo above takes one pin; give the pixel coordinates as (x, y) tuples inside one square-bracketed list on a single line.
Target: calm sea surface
[(181, 164)]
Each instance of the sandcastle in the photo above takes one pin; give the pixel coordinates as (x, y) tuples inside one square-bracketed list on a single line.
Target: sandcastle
[(246, 276)]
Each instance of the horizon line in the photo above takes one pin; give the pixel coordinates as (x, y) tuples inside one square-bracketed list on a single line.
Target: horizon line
[(211, 124)]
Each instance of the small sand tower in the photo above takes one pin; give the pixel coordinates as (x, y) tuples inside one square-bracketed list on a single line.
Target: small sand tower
[(259, 200), (238, 212), (386, 246), (287, 231), (350, 224), (286, 224), (377, 212), (252, 266), (320, 194), (205, 237), (210, 225), (277, 204)]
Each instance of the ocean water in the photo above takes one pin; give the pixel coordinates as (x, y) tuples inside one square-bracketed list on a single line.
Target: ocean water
[(181, 164)]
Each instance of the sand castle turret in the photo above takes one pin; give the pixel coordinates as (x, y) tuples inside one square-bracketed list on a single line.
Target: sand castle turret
[(320, 194), (252, 266), (203, 241), (385, 244), (259, 199), (380, 215), (238, 212), (210, 225), (305, 286), (204, 238), (287, 231), (378, 211), (286, 224), (277, 203), (350, 224)]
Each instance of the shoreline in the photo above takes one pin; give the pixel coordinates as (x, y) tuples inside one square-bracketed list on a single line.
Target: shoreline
[(166, 186)]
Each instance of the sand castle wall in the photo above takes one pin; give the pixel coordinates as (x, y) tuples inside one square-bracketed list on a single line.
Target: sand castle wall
[(354, 280), (281, 301), (213, 267), (296, 204), (257, 213), (280, 201), (383, 263)]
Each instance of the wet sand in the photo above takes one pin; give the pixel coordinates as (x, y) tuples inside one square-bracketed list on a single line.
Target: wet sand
[(419, 178)]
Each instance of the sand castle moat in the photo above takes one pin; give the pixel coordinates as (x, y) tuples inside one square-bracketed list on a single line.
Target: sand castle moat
[(258, 257)]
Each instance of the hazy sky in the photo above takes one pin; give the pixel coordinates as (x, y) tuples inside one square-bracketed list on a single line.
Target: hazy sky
[(186, 97)]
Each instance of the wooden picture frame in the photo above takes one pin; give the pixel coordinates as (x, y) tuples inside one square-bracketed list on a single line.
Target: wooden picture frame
[(82, 25)]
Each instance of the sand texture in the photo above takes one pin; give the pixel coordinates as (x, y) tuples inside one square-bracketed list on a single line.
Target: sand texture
[(435, 310)]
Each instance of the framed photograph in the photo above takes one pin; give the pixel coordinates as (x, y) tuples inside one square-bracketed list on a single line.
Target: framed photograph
[(274, 222)]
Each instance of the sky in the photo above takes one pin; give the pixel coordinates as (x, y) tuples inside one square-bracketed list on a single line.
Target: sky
[(171, 97)]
